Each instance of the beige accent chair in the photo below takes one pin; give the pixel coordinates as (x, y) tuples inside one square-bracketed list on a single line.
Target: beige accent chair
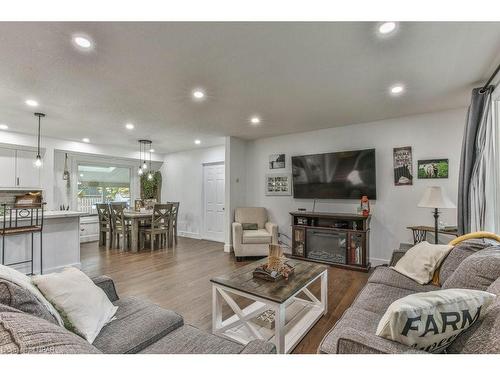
[(253, 242)]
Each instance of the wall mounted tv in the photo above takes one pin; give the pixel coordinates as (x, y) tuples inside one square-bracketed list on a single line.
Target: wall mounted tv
[(336, 175)]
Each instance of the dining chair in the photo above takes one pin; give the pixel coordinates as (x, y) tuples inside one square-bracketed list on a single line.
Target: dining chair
[(161, 219), (175, 212), (120, 225), (105, 224)]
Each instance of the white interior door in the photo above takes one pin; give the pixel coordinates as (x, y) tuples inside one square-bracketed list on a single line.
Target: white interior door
[(213, 188)]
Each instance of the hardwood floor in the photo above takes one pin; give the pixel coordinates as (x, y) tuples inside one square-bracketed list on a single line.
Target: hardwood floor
[(179, 279)]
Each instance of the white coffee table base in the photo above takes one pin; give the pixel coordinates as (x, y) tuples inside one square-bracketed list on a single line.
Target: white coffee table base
[(293, 318)]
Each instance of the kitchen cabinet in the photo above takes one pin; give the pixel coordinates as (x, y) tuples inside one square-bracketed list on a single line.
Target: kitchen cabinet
[(8, 167), (18, 169)]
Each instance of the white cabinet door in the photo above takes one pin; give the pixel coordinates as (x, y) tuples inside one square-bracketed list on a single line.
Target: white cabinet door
[(27, 174), (7, 167)]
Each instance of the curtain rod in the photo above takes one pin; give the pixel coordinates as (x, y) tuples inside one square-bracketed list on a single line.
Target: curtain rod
[(491, 78)]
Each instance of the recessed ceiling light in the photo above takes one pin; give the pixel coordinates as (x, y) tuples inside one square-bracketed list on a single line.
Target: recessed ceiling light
[(255, 120), (198, 94), (3, 127), (387, 27), (31, 103), (152, 150), (82, 41), (129, 126), (86, 140), (397, 89), (197, 142)]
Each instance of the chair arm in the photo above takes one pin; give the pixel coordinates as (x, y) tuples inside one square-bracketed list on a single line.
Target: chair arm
[(237, 238), (273, 229), (107, 285), (259, 347)]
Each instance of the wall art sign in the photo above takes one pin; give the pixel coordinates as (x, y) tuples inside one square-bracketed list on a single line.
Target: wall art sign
[(279, 184), (403, 166)]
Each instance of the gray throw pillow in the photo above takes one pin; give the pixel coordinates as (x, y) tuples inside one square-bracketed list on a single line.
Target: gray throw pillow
[(478, 271), (21, 333), (22, 299), (249, 226)]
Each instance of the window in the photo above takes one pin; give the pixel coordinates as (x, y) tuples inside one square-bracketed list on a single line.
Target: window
[(102, 184)]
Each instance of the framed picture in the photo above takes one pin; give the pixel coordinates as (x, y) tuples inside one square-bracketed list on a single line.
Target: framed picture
[(403, 166), (276, 161), (433, 168), (279, 184)]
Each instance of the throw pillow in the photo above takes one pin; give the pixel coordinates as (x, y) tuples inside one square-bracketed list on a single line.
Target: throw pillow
[(17, 278), (84, 306), (420, 262), (431, 321), (14, 296), (477, 271), (249, 226), (21, 333)]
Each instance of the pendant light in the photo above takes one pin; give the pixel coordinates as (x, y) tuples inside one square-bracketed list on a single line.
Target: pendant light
[(38, 159), (150, 174), (145, 156)]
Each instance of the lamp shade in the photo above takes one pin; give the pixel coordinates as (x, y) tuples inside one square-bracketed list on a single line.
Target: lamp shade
[(434, 197)]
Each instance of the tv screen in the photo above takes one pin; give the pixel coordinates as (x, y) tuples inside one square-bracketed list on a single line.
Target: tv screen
[(336, 175)]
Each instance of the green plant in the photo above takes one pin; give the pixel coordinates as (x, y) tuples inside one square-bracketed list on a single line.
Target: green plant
[(150, 189)]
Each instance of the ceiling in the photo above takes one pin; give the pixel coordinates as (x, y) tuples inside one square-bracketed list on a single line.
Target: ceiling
[(295, 76)]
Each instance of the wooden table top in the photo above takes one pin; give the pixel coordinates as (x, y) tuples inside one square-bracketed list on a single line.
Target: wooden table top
[(136, 214), (277, 291), (431, 229)]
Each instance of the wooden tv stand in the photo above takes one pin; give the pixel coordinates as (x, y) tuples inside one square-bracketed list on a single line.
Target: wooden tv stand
[(337, 239)]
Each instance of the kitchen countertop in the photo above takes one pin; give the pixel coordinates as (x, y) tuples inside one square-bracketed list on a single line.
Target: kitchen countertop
[(56, 214)]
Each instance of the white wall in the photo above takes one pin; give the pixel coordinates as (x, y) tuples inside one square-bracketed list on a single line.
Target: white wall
[(235, 183), (435, 135), (51, 171), (183, 182)]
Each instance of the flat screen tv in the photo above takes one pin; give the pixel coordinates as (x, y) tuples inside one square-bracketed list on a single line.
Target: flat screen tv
[(336, 175)]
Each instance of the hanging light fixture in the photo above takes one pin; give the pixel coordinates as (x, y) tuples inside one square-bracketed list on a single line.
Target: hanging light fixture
[(38, 159), (145, 156)]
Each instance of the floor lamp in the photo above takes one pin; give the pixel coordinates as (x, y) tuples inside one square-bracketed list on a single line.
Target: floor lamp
[(435, 198)]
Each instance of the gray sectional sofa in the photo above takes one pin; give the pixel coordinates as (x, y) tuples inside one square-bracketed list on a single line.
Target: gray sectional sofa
[(139, 327), (355, 331)]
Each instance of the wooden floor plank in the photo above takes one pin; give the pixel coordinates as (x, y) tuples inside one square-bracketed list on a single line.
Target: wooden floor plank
[(179, 279)]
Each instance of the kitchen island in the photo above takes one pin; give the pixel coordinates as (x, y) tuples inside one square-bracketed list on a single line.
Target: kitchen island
[(60, 243)]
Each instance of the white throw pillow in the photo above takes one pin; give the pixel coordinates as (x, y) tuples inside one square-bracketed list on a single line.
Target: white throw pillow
[(23, 281), (420, 262), (431, 321), (84, 306)]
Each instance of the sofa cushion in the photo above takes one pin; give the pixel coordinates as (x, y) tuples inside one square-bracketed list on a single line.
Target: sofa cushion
[(355, 333), (457, 255), (477, 271), (390, 277), (376, 298), (138, 323), (484, 336), (191, 340), (251, 215), (21, 333), (259, 236), (22, 299)]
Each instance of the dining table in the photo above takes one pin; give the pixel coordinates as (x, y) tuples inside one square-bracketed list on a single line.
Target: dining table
[(135, 218)]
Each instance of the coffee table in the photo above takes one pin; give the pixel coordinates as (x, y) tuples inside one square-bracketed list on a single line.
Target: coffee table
[(295, 307)]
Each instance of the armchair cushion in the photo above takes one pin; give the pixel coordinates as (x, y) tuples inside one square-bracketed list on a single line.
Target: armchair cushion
[(259, 236), (251, 215)]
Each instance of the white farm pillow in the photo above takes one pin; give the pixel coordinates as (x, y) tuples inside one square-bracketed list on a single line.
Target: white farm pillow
[(420, 262), (431, 321), (84, 306)]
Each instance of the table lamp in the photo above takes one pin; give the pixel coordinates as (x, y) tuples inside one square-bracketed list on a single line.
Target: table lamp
[(435, 198)]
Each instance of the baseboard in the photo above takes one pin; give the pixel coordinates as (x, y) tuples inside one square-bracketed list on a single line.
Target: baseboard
[(228, 248), (194, 235), (377, 261)]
